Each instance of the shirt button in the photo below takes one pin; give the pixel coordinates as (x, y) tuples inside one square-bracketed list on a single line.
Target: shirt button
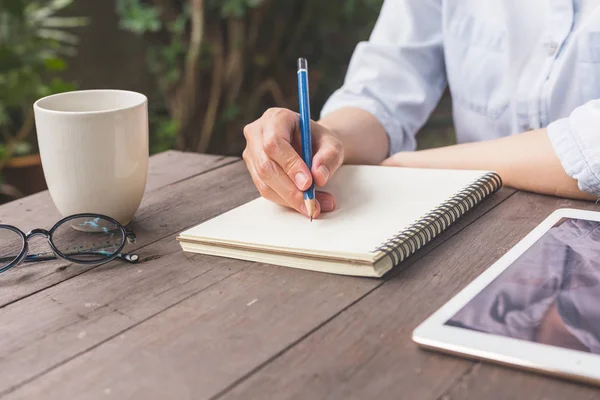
[(551, 48)]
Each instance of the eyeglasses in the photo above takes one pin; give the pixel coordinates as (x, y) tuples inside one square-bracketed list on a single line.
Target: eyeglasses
[(79, 238)]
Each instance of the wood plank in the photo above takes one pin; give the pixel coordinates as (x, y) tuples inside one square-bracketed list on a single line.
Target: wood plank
[(367, 351), (484, 381), (45, 329), (39, 211), (200, 346), (173, 166)]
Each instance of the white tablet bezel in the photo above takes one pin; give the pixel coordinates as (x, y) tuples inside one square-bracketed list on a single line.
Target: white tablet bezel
[(433, 334)]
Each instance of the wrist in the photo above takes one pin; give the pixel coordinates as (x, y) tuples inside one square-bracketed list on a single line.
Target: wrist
[(408, 159), (362, 137)]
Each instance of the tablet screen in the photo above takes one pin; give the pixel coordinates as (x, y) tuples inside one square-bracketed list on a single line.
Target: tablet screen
[(550, 294)]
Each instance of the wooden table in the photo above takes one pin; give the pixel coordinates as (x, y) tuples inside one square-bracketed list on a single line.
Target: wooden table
[(185, 326)]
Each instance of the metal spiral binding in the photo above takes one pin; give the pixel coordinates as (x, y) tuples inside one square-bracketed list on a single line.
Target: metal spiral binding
[(411, 239)]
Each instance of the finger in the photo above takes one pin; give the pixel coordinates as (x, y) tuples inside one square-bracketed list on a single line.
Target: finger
[(264, 190), (278, 131), (269, 194), (273, 176), (326, 201), (248, 155), (328, 158), (262, 170)]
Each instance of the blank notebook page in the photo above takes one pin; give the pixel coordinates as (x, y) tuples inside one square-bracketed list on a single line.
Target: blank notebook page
[(374, 203)]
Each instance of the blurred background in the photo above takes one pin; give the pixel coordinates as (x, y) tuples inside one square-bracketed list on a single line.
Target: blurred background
[(208, 67)]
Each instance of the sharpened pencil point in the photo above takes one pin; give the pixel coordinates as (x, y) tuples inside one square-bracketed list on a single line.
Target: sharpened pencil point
[(310, 208)]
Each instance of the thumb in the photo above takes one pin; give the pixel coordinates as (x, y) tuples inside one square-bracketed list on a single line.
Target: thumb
[(328, 158)]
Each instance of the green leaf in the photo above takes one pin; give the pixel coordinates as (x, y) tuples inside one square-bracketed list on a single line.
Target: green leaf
[(163, 135), (138, 17), (231, 112), (58, 35), (178, 26), (9, 59), (172, 76), (55, 64), (65, 22), (14, 7), (3, 151), (22, 149), (57, 85), (38, 12), (233, 8)]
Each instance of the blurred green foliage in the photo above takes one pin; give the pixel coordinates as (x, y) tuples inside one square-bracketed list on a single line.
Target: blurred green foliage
[(33, 46), (220, 63)]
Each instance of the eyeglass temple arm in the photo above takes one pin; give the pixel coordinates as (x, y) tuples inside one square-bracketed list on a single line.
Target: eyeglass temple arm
[(127, 257)]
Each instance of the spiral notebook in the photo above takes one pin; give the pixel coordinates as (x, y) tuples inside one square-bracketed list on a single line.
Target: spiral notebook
[(383, 216)]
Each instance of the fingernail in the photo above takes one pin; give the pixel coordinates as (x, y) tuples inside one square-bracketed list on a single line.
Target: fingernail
[(301, 180), (326, 205), (324, 171)]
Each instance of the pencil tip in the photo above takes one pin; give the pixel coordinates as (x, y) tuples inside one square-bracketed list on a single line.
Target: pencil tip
[(310, 208)]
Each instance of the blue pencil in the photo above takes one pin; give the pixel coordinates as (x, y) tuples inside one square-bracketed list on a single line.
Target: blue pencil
[(304, 107)]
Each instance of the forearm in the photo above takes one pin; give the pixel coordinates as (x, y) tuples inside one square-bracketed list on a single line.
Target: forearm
[(525, 161), (363, 137)]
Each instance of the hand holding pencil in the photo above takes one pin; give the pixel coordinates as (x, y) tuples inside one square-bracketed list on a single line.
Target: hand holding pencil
[(273, 156)]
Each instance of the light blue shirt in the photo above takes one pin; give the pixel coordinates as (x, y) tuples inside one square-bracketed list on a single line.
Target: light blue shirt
[(510, 65)]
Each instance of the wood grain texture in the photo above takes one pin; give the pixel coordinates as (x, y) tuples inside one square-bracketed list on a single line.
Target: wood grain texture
[(204, 343), (207, 342), (112, 297), (484, 381), (367, 351), (49, 327), (38, 211), (173, 166)]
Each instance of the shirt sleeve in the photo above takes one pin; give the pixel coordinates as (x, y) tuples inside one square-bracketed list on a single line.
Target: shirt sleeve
[(576, 141), (398, 75)]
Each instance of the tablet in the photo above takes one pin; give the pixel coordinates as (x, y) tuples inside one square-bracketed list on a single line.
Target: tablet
[(537, 307)]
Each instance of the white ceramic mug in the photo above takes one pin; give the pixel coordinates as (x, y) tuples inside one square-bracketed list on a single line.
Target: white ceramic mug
[(94, 150)]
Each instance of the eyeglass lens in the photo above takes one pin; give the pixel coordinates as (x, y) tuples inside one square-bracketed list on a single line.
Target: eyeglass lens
[(87, 239), (11, 244)]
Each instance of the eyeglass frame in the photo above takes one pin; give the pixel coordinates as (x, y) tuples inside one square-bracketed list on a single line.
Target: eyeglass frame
[(127, 234)]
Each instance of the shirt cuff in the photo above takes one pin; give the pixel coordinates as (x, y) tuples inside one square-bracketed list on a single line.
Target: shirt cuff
[(571, 155), (398, 140)]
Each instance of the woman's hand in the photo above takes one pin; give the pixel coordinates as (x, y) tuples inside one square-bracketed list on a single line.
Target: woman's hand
[(272, 155)]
